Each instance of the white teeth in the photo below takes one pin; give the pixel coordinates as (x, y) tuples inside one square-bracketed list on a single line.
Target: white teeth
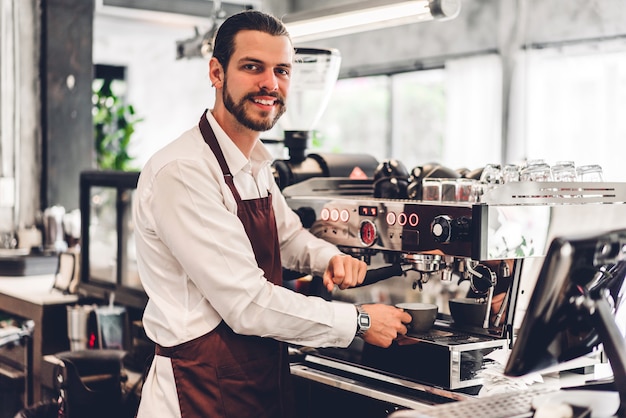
[(264, 102)]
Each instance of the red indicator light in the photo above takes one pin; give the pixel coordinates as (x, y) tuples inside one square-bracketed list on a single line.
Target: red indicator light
[(368, 211)]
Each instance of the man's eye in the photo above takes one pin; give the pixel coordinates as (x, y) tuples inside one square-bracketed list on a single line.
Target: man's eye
[(251, 67), (283, 72)]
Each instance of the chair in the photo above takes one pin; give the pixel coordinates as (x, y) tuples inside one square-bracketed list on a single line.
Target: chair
[(90, 383)]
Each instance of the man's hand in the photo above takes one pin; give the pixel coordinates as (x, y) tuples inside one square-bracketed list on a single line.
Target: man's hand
[(386, 323), (344, 271)]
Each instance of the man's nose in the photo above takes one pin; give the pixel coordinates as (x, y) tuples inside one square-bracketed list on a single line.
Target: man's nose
[(269, 81)]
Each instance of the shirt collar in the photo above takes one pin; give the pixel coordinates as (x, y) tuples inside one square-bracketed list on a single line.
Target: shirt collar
[(235, 159)]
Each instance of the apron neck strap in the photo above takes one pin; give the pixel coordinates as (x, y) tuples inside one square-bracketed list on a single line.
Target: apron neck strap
[(211, 140)]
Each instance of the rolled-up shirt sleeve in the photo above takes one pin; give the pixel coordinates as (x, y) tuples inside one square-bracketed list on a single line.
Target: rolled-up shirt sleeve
[(300, 250)]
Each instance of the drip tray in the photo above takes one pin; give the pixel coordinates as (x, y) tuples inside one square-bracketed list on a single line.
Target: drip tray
[(443, 337)]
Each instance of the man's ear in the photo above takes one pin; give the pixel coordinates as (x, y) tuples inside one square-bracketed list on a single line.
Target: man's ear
[(216, 73)]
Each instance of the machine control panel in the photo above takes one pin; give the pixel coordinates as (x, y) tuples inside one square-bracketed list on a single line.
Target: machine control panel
[(394, 225)]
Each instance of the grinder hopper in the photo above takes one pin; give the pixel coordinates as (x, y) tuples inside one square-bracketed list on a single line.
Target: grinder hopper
[(314, 75)]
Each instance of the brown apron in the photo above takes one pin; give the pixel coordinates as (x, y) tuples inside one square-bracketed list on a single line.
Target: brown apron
[(223, 374)]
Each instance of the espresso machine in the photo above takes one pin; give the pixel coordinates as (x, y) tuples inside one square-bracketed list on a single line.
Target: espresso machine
[(441, 250), (461, 254)]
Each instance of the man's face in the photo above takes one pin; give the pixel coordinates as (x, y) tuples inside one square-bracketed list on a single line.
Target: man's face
[(256, 81)]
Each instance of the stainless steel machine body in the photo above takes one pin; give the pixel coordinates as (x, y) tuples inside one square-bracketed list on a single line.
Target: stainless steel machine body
[(506, 235), (514, 220)]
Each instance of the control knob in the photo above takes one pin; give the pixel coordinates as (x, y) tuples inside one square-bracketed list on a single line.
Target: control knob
[(446, 229)]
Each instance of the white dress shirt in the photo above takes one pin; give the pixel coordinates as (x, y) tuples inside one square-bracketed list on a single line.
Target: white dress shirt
[(197, 265)]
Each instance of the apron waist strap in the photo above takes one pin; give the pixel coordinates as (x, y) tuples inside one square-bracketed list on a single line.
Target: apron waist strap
[(163, 351), (170, 352)]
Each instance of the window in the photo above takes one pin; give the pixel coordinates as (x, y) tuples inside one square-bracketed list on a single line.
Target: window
[(419, 116), (565, 104), (450, 116), (571, 106), (356, 119)]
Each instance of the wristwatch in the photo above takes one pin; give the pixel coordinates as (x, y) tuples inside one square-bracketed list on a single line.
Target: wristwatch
[(362, 321)]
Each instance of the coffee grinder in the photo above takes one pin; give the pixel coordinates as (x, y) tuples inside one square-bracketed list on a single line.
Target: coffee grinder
[(314, 75)]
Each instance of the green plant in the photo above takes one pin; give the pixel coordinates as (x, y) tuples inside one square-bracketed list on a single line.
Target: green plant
[(114, 124)]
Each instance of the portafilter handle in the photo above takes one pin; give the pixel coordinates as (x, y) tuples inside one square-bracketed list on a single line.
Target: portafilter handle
[(382, 273)]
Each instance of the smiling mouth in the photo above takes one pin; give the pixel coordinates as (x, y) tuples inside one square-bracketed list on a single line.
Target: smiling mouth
[(265, 99), (266, 102)]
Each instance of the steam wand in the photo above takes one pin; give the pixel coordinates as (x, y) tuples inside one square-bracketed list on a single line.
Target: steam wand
[(483, 282)]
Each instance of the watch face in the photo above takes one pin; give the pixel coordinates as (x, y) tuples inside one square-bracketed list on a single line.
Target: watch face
[(364, 321)]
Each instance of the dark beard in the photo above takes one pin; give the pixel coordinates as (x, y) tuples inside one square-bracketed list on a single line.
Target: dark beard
[(239, 112)]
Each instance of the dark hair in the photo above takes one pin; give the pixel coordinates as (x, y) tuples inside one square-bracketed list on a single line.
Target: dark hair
[(224, 42)]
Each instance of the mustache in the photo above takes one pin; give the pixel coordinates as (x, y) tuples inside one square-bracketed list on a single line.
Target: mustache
[(274, 94)]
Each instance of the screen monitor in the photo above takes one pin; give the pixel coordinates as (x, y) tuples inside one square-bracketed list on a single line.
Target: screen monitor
[(574, 307)]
